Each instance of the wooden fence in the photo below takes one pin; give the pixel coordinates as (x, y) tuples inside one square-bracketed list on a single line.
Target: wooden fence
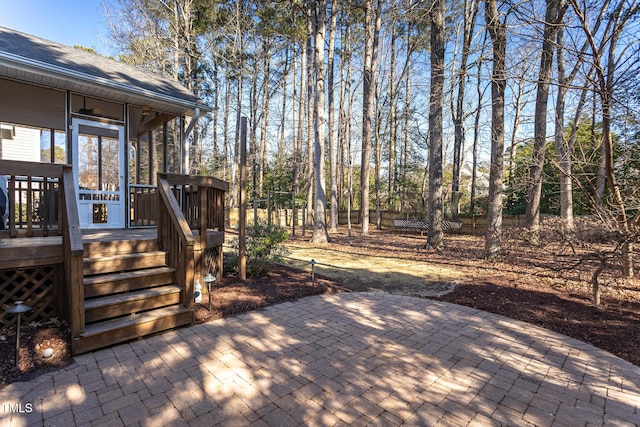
[(474, 225)]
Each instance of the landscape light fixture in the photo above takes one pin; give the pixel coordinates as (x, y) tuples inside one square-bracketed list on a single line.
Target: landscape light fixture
[(209, 279), (313, 276), (18, 308)]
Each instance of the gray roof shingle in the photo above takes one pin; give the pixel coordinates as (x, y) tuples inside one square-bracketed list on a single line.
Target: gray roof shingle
[(37, 60)]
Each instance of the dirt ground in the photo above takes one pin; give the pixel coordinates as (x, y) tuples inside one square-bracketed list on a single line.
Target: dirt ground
[(528, 283)]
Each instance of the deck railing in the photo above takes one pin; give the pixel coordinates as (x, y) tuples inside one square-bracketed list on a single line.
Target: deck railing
[(143, 204), (187, 204), (32, 193), (42, 202)]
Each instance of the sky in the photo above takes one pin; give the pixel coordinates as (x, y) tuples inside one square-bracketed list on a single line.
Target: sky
[(70, 22)]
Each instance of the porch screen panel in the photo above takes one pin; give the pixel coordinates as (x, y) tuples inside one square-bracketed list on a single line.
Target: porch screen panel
[(53, 142), (143, 161), (159, 153), (173, 145), (133, 162)]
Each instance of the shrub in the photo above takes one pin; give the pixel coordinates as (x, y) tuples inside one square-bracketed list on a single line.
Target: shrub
[(264, 247)]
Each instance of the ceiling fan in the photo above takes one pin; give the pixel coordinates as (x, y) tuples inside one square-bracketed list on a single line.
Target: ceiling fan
[(96, 111)]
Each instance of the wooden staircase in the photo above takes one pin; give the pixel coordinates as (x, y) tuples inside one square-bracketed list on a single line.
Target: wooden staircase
[(129, 293)]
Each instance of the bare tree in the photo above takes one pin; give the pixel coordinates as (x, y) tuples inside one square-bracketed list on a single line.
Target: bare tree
[(564, 148), (607, 60), (318, 13), (497, 31), (468, 24), (521, 90), (436, 100), (372, 23), (309, 115), (333, 173), (553, 17)]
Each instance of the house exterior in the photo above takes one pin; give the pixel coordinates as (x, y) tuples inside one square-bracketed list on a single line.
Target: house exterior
[(93, 147)]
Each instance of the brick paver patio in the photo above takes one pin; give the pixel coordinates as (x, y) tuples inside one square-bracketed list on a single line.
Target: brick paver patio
[(342, 359)]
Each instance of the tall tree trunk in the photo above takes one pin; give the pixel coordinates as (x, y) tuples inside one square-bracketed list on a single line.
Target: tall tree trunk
[(367, 106), (264, 129), (553, 16), (253, 125), (238, 49), (372, 24), (601, 178), (319, 10), (283, 111), (563, 154), (407, 120), (342, 115), (519, 93), (476, 132), (333, 173), (294, 136), (393, 121), (216, 110), (344, 136), (470, 12), (377, 155), (436, 100), (497, 31), (309, 115), (228, 172), (297, 147)]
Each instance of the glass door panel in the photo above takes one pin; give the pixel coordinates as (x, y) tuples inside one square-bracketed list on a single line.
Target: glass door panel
[(99, 168)]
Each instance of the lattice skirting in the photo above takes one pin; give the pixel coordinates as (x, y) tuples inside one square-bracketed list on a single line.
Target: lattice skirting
[(212, 262), (35, 286)]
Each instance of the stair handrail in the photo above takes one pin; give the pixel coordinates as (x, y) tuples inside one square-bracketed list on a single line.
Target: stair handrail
[(209, 208), (73, 252), (176, 238)]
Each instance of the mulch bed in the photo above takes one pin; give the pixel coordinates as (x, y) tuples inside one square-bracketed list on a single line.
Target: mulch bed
[(34, 340), (613, 326), (278, 284)]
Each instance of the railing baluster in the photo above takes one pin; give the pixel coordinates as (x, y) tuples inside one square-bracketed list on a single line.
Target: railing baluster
[(13, 232), (44, 207)]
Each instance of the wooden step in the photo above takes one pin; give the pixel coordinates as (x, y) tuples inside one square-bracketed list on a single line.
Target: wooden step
[(104, 334), (113, 283), (111, 306), (93, 248), (123, 262)]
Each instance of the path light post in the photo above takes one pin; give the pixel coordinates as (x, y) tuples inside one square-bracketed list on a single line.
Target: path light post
[(18, 308), (313, 277), (209, 279)]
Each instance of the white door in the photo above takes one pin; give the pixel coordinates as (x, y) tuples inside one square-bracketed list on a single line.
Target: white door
[(98, 165)]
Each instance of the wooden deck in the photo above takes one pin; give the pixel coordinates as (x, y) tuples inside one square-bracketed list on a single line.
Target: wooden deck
[(129, 289), (109, 284), (24, 252)]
